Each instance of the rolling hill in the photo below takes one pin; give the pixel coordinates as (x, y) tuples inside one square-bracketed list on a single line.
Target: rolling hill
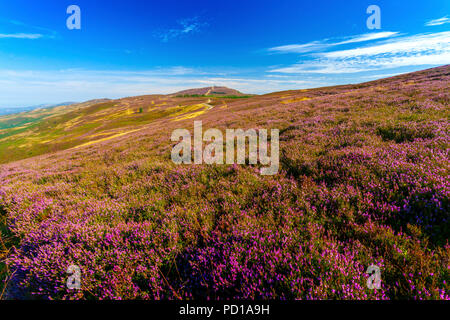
[(209, 91), (49, 130), (363, 181)]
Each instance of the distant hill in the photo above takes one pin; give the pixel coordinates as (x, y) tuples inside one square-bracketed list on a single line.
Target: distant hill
[(209, 91), (47, 107), (5, 111), (47, 129)]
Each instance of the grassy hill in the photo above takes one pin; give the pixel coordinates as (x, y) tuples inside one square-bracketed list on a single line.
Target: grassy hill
[(49, 130), (364, 180), (209, 92)]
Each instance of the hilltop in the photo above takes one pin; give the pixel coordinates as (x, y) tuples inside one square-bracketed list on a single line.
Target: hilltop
[(363, 181), (209, 91)]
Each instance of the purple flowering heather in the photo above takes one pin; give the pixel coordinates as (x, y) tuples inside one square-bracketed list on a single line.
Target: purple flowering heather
[(364, 180)]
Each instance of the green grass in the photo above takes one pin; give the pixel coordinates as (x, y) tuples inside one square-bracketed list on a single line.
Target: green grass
[(63, 130), (18, 122)]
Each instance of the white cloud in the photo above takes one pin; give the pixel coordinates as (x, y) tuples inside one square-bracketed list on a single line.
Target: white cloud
[(438, 22), (190, 25), (30, 36), (80, 85), (30, 32), (315, 46), (369, 37), (319, 67), (403, 45), (381, 76), (416, 50), (28, 26)]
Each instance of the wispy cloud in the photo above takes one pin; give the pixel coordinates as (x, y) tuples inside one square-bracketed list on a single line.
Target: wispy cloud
[(416, 50), (26, 25), (438, 22), (185, 26), (324, 44), (422, 43), (31, 36), (29, 32), (81, 84)]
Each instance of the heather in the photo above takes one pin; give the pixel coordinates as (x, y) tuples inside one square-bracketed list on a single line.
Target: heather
[(363, 180)]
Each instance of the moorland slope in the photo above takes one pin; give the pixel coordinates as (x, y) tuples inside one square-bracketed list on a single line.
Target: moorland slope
[(363, 181)]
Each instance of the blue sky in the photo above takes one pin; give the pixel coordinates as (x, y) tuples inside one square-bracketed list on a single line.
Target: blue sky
[(135, 47)]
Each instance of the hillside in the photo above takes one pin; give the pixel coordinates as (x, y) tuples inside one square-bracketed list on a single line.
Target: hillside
[(363, 180), (49, 130)]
